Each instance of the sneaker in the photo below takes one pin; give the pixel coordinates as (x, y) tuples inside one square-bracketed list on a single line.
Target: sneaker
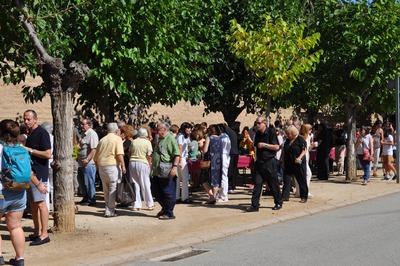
[(364, 182), (222, 200), (39, 241), (33, 237), (15, 262), (210, 202), (252, 209), (277, 207), (166, 217)]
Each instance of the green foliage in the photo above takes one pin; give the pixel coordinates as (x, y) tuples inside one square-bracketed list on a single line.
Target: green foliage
[(361, 47), (277, 54), (231, 86), (139, 52)]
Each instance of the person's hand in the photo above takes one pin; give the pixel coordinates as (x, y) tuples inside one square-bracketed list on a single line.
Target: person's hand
[(173, 171), (123, 169), (261, 145), (85, 162), (298, 161), (42, 188)]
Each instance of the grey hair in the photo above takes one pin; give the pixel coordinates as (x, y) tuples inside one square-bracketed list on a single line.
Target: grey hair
[(121, 124), (142, 133), (164, 124), (48, 127), (112, 127)]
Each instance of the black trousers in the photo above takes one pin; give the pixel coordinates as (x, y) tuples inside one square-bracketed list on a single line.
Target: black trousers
[(233, 171), (322, 166), (165, 192), (299, 173), (266, 171)]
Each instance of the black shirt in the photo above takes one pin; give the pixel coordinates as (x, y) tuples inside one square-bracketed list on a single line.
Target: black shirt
[(291, 152), (234, 140), (269, 137), (39, 140)]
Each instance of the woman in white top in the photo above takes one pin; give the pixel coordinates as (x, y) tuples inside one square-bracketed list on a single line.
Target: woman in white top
[(387, 154), (226, 149), (365, 152), (305, 132)]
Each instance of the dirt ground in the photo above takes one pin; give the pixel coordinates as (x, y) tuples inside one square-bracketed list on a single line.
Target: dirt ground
[(98, 239)]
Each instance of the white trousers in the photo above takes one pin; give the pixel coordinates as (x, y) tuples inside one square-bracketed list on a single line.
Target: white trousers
[(377, 152), (140, 176), (223, 192), (109, 177), (183, 176)]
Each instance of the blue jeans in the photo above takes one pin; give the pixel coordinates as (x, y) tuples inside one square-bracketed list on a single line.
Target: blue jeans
[(89, 173), (14, 201), (366, 165), (165, 192)]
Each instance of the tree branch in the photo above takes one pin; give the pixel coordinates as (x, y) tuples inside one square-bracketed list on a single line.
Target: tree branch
[(43, 55)]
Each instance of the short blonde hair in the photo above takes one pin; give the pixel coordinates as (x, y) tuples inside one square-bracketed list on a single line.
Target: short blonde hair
[(292, 130)]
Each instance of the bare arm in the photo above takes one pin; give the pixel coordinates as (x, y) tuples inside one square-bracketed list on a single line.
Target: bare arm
[(121, 163), (40, 154), (272, 147), (206, 145)]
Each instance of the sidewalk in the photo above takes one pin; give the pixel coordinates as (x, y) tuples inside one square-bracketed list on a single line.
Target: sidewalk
[(110, 241)]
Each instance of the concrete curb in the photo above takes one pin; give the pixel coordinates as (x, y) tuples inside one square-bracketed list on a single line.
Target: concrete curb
[(125, 257)]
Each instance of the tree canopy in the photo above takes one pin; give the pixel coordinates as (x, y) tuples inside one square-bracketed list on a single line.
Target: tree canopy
[(139, 52), (277, 54)]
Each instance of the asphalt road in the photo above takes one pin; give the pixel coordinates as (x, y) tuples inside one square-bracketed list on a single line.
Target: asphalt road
[(367, 233)]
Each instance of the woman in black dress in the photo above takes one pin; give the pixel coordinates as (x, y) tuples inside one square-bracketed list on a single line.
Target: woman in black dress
[(294, 159)]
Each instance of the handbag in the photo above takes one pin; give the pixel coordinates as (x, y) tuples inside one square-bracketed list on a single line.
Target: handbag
[(205, 162), (125, 191), (366, 155), (164, 169)]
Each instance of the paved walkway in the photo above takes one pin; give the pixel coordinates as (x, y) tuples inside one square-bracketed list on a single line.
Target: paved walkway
[(111, 241)]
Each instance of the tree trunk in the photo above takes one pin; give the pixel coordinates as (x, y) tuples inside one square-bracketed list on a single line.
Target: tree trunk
[(351, 168), (64, 205), (61, 83), (231, 114), (268, 106), (111, 111), (311, 114)]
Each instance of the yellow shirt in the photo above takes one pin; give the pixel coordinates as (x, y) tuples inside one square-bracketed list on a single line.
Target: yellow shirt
[(107, 150), (140, 149)]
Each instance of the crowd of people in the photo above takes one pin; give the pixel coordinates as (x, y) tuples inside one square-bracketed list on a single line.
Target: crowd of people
[(160, 162)]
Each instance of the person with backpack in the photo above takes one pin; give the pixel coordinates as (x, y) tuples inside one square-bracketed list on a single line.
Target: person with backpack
[(15, 176), (39, 146)]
